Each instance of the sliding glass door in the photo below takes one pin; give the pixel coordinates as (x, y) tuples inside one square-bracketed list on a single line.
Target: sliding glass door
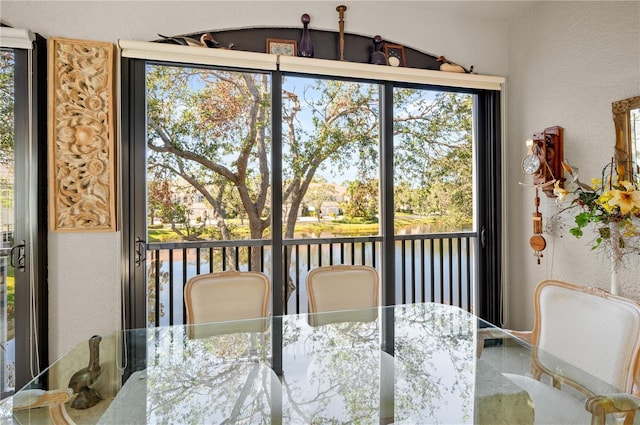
[(7, 222), (277, 172), (23, 307)]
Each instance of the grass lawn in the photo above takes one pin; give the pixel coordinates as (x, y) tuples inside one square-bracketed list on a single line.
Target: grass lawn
[(305, 228)]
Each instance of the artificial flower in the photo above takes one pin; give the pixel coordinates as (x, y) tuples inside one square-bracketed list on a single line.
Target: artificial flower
[(610, 206), (560, 192), (627, 199)]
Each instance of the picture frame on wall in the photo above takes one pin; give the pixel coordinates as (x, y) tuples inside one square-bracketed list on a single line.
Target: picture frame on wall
[(395, 54), (278, 46)]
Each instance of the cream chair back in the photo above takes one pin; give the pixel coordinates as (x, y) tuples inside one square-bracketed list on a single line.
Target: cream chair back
[(227, 296), (343, 287), (589, 328)]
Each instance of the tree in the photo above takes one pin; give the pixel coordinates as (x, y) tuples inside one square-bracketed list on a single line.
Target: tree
[(433, 154), (320, 192), (362, 200), (404, 197), (211, 128), (158, 198), (343, 131)]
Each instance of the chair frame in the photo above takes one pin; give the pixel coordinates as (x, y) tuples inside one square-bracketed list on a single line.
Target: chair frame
[(621, 405), (538, 369)]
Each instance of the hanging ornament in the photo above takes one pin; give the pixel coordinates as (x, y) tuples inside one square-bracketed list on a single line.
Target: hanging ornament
[(537, 241)]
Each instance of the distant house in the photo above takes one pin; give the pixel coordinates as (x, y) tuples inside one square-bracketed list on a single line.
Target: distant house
[(200, 210)]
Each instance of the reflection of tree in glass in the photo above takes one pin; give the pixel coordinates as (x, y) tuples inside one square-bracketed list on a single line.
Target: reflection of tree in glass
[(7, 94), (7, 136), (155, 274), (213, 389), (327, 391), (434, 345)]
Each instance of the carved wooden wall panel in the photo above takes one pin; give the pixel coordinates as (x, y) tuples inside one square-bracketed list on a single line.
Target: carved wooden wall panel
[(81, 136)]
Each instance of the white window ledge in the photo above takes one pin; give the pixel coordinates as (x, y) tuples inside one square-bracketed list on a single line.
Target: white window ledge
[(263, 61), (14, 38)]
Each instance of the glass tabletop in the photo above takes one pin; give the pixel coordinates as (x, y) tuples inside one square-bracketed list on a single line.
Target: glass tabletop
[(416, 363)]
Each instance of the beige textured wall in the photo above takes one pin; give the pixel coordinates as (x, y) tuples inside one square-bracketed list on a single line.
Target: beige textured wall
[(567, 62)]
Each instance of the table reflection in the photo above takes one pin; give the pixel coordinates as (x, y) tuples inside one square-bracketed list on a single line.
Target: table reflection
[(331, 373)]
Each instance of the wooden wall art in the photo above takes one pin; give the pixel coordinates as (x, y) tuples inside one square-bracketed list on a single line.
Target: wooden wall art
[(81, 136)]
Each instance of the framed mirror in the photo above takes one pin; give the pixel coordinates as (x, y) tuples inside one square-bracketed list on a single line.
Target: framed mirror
[(626, 119)]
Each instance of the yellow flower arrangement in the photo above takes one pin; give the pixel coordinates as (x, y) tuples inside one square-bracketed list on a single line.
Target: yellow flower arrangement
[(610, 205)]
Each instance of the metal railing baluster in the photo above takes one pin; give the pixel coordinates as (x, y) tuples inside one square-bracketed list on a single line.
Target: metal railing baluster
[(425, 265)]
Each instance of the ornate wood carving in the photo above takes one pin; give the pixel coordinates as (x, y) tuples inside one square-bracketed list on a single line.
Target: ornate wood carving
[(81, 136)]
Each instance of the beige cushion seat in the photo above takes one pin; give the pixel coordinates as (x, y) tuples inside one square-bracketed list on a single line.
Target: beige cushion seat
[(227, 296), (342, 288)]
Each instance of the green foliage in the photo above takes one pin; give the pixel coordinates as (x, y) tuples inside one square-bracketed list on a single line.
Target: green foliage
[(210, 130), (362, 200), (433, 156), (357, 220)]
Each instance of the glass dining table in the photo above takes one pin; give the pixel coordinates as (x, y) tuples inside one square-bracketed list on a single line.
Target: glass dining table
[(403, 364)]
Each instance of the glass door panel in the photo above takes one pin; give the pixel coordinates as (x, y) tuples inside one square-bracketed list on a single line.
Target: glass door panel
[(207, 179), (434, 196), (7, 277), (330, 178)]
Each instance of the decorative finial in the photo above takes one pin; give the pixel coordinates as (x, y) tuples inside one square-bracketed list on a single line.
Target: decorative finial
[(340, 9)]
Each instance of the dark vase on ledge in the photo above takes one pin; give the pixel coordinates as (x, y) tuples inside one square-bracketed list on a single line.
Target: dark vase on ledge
[(306, 47), (377, 57)]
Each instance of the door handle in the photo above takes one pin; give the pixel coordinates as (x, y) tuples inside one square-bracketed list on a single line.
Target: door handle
[(17, 258), (140, 251), (483, 237)]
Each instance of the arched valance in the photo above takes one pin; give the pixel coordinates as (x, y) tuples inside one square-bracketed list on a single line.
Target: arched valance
[(249, 47)]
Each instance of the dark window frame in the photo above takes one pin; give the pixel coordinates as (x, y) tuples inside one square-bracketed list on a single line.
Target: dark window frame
[(489, 204), (31, 348)]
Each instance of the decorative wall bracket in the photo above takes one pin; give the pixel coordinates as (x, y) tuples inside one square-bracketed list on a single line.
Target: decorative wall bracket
[(81, 136)]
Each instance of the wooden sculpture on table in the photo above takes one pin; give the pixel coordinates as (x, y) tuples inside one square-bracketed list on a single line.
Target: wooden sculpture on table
[(82, 380)]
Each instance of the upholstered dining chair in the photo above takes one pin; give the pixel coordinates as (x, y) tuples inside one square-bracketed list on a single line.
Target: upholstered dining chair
[(594, 331), (227, 296), (342, 288)]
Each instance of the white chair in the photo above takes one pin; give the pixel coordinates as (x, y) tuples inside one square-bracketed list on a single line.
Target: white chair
[(595, 332), (227, 296), (343, 288)]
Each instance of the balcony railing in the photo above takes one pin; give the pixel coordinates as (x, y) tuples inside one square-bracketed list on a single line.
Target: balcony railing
[(428, 268)]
